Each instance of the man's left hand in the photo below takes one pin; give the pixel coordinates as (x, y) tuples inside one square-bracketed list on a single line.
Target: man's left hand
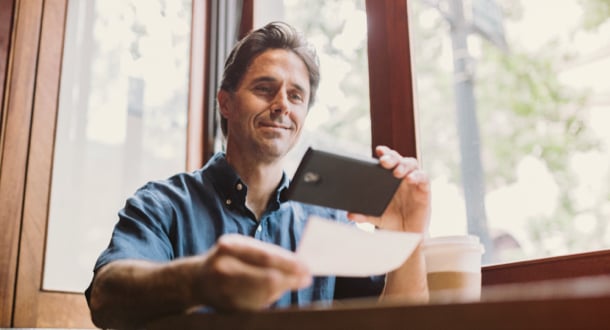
[(409, 209)]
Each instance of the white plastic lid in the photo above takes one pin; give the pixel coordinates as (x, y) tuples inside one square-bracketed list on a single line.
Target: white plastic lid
[(455, 241)]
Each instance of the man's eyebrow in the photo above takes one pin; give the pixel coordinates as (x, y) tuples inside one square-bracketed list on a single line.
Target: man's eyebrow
[(299, 88), (272, 79), (263, 79)]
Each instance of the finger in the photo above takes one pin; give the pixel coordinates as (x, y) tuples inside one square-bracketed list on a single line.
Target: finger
[(417, 176), (381, 150), (388, 158), (405, 166), (420, 179), (236, 284), (271, 282), (277, 282), (261, 254), (391, 159)]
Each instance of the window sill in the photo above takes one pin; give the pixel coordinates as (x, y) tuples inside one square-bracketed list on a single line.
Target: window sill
[(561, 267)]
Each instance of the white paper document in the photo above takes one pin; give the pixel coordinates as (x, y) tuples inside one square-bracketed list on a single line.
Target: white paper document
[(331, 248)]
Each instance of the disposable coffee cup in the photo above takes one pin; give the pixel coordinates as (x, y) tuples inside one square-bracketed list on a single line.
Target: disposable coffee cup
[(453, 265)]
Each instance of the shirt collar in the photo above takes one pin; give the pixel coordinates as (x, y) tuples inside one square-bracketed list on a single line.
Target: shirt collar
[(232, 189)]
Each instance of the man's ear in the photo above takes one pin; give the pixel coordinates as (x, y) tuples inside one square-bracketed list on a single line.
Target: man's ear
[(224, 100)]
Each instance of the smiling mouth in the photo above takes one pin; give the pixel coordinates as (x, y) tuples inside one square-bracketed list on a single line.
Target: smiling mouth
[(274, 125)]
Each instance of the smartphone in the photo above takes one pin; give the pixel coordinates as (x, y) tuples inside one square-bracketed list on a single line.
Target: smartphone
[(350, 183)]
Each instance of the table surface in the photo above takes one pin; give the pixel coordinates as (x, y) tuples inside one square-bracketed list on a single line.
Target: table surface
[(580, 303)]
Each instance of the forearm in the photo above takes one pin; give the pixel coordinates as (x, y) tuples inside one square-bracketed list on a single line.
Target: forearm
[(408, 282), (129, 293)]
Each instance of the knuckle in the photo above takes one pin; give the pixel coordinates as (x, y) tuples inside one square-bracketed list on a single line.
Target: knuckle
[(265, 259), (409, 162), (273, 280), (223, 245), (219, 265)]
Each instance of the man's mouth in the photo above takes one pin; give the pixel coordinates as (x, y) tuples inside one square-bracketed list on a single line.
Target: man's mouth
[(274, 125)]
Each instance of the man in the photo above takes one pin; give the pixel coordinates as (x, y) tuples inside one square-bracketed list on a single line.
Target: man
[(222, 237)]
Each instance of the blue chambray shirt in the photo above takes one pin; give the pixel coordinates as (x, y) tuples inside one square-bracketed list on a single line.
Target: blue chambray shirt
[(185, 215)]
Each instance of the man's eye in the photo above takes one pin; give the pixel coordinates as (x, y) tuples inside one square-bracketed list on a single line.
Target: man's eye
[(263, 89), (296, 97)]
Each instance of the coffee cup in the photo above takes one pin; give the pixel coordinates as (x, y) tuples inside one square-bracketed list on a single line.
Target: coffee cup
[(453, 265)]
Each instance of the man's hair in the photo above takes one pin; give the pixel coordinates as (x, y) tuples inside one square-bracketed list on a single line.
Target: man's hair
[(275, 35)]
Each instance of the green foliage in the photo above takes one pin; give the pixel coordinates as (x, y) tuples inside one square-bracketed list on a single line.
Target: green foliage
[(548, 120), (596, 12), (324, 20), (523, 110), (541, 116)]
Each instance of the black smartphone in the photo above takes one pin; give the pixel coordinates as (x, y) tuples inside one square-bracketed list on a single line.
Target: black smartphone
[(358, 185)]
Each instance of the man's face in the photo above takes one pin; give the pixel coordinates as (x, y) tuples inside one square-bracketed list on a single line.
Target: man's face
[(267, 111)]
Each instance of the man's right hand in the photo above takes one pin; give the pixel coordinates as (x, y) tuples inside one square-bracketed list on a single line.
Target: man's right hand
[(241, 272), (238, 273)]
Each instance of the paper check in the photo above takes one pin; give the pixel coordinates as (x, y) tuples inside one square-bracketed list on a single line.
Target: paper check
[(331, 248)]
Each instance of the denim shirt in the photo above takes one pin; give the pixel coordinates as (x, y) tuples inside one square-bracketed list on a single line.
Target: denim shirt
[(186, 214)]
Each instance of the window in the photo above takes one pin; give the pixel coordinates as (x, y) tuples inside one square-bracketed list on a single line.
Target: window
[(513, 107), (121, 122)]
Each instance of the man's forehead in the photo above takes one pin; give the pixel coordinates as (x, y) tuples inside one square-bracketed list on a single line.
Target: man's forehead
[(276, 64)]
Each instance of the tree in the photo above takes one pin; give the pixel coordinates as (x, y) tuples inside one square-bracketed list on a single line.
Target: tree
[(596, 12), (523, 108), (330, 25)]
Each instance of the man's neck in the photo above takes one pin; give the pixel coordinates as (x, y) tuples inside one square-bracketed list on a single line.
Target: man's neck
[(261, 177)]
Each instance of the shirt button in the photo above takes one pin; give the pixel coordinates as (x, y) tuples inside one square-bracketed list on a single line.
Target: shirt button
[(228, 202), (239, 187), (259, 229)]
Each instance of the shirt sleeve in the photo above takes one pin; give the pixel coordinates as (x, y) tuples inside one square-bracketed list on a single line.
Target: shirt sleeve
[(142, 231)]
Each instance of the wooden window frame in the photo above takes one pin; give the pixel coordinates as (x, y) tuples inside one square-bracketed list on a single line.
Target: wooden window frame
[(6, 24), (390, 77), (31, 106), (197, 115), (18, 91), (33, 306)]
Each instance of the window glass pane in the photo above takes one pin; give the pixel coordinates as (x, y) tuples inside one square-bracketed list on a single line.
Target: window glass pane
[(513, 112), (121, 122), (339, 120)]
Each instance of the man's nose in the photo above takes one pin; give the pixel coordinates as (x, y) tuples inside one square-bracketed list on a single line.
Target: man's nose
[(279, 103)]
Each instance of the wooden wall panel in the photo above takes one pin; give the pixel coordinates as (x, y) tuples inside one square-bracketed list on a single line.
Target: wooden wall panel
[(6, 24), (19, 90)]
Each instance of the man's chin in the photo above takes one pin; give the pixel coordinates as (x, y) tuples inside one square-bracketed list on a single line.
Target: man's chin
[(275, 151)]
